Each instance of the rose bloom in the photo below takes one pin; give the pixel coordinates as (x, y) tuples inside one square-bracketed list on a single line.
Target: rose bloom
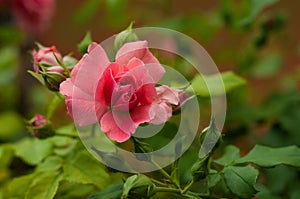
[(32, 15), (120, 95)]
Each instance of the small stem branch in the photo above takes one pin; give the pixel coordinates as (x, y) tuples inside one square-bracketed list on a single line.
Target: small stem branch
[(167, 189), (166, 175), (178, 191), (66, 70), (67, 135), (187, 187), (157, 182)]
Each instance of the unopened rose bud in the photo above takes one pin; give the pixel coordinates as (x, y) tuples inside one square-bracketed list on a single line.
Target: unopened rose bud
[(41, 127), (46, 56), (48, 63), (53, 77), (210, 139), (138, 186), (125, 36)]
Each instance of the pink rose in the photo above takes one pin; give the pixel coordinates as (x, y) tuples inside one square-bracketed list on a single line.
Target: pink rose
[(119, 95), (33, 15)]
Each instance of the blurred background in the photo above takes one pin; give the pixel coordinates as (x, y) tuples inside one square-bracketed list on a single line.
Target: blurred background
[(259, 40)]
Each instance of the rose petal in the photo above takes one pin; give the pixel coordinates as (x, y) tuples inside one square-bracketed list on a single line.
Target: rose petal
[(167, 94), (109, 126), (134, 62), (140, 114), (146, 94), (105, 88), (81, 106), (138, 49), (91, 69), (92, 46), (160, 113)]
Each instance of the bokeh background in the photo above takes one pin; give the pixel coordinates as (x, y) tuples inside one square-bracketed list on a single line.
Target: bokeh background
[(259, 40)]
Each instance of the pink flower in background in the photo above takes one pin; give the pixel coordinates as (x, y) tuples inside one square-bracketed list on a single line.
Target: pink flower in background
[(119, 95), (32, 15)]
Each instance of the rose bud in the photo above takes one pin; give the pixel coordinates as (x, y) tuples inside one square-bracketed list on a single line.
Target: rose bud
[(49, 63), (125, 36), (210, 139), (53, 77), (45, 56), (41, 127)]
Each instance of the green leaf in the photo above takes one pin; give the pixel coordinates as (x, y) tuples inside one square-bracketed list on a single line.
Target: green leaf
[(257, 7), (264, 193), (280, 178), (68, 190), (10, 35), (6, 155), (115, 9), (18, 186), (213, 179), (110, 192), (11, 125), (86, 170), (67, 130), (87, 11), (269, 157), (138, 186), (231, 154), (44, 186), (63, 145), (52, 163), (204, 26), (240, 180), (33, 151), (84, 44), (267, 67), (39, 77), (38, 185), (230, 81), (9, 57)]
